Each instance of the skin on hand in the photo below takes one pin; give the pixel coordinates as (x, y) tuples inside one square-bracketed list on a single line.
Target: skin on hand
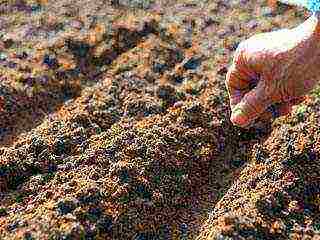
[(273, 71)]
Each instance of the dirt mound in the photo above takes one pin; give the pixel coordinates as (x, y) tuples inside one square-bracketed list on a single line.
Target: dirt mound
[(114, 124)]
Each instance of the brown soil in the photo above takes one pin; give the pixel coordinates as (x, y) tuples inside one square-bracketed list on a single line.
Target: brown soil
[(114, 124)]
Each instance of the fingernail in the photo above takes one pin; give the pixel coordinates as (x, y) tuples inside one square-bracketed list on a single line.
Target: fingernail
[(239, 118)]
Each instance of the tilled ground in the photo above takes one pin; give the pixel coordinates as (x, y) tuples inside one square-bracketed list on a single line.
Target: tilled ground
[(115, 125)]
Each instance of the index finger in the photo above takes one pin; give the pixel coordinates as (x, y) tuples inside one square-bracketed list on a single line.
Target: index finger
[(239, 81)]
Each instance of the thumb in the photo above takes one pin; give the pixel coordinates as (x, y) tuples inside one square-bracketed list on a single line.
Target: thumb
[(251, 106)]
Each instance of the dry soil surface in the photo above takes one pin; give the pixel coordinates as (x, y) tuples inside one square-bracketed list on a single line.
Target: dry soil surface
[(114, 124)]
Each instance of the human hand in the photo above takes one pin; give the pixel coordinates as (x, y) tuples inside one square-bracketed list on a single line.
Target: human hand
[(273, 71)]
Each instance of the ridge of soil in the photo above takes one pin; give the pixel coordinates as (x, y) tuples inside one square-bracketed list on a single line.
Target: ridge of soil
[(114, 124)]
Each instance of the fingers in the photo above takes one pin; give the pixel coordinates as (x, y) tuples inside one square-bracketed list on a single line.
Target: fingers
[(238, 83), (235, 85), (251, 106), (238, 76)]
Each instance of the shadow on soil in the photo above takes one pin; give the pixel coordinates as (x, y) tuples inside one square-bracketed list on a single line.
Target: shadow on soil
[(303, 192), (65, 84)]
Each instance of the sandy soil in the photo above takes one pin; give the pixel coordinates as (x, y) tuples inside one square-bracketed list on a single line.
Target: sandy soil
[(114, 124)]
